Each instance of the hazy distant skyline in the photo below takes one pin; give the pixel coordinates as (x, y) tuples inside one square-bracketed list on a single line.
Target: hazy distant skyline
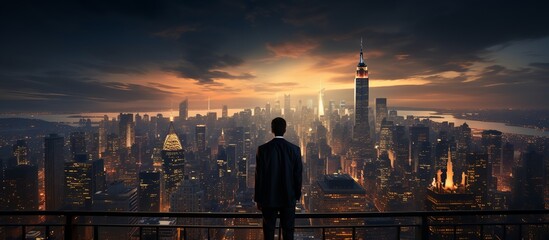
[(149, 55)]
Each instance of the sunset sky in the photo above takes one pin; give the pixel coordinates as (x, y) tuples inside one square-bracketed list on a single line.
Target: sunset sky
[(148, 55)]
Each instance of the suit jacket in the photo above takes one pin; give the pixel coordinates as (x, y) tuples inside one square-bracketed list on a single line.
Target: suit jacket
[(278, 174)]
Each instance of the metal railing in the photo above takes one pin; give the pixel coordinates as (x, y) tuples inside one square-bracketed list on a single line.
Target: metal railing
[(424, 224)]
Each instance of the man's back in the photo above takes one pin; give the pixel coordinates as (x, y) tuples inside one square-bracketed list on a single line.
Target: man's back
[(278, 174)]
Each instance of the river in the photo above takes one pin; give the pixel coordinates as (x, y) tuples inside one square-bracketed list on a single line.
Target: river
[(481, 125)]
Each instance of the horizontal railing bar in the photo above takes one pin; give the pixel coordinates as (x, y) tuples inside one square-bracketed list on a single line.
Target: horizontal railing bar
[(487, 224), (31, 225), (258, 226), (258, 215), (235, 226)]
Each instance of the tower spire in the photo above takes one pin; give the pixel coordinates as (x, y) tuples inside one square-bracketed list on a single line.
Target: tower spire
[(361, 60)]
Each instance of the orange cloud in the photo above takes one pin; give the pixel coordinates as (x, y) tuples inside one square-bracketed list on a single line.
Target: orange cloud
[(292, 49)]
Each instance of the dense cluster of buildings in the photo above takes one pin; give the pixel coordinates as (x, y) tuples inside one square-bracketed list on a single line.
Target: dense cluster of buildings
[(357, 158)]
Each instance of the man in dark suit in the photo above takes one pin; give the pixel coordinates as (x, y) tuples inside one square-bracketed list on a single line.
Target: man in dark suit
[(278, 181)]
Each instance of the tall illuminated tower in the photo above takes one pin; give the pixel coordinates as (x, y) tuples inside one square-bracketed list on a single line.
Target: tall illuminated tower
[(126, 130), (173, 161), (21, 152), (184, 109), (362, 127), (321, 103), (381, 112), (287, 108)]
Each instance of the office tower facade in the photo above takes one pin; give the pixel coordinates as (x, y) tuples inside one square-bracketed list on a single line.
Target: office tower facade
[(287, 107), (78, 183), (99, 177), (478, 178), (508, 158), (21, 152), (184, 109), (173, 161), (117, 198), (20, 188), (189, 197), (463, 144), (321, 104), (338, 193), (381, 112), (126, 130), (528, 182), (78, 143), (54, 174), (150, 190), (420, 152), (102, 135), (385, 137), (225, 112), (200, 137), (491, 145), (400, 149), (361, 130)]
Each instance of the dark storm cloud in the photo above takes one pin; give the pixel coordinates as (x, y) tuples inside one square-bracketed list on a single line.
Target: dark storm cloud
[(64, 52)]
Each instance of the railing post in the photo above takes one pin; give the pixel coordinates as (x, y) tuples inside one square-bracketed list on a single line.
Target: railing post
[(208, 229), (23, 230), (520, 231), (68, 227), (323, 233), (47, 232), (504, 232), (354, 233), (95, 232), (424, 227)]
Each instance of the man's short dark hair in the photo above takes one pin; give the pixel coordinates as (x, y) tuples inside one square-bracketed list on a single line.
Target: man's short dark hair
[(278, 126)]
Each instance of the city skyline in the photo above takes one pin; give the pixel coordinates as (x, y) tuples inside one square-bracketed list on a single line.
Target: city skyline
[(82, 57), (354, 160)]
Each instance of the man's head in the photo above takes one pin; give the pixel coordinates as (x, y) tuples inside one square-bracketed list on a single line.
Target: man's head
[(278, 126)]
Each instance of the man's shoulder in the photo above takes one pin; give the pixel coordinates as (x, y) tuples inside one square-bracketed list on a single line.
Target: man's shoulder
[(291, 145)]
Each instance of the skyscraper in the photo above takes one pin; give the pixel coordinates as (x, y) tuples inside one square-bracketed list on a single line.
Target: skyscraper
[(21, 152), (287, 108), (173, 161), (200, 137), (420, 152), (54, 175), (184, 109), (150, 190), (508, 158), (362, 126), (78, 183), (381, 112), (126, 130), (78, 143), (338, 193), (491, 144), (21, 188), (225, 112), (321, 103), (102, 136)]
